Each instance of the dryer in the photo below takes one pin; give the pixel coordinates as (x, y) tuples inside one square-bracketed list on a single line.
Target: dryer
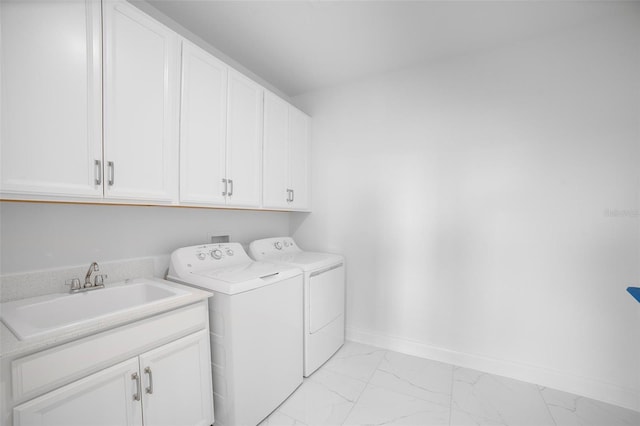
[(324, 295), (255, 319)]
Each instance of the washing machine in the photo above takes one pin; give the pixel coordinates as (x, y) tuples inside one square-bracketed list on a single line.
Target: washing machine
[(256, 323), (324, 293)]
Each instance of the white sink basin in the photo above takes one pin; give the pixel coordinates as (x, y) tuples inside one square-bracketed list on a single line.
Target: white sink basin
[(38, 316)]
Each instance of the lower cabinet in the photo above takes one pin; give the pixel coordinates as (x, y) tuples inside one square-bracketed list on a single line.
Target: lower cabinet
[(176, 383), (103, 398), (169, 385)]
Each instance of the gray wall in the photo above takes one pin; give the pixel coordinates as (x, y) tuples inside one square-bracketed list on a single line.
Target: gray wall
[(41, 236)]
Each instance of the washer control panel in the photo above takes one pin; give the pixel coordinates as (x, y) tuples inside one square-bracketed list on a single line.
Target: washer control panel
[(270, 246), (208, 256)]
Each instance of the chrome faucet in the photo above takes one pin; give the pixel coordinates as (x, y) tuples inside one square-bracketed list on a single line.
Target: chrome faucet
[(87, 278), (98, 280)]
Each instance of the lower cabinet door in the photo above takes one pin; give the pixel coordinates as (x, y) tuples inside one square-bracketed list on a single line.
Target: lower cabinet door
[(176, 382), (105, 398)]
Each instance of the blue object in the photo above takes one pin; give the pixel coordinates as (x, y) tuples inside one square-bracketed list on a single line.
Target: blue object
[(635, 292)]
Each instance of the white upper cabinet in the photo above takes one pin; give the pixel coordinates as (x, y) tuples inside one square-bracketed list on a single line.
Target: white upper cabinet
[(51, 68), (99, 101), (299, 137), (220, 133), (203, 127), (141, 70), (244, 141), (286, 156), (276, 153)]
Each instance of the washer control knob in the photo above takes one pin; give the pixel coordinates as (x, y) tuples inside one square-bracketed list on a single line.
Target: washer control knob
[(229, 252), (278, 245), (216, 254), (201, 256), (287, 243)]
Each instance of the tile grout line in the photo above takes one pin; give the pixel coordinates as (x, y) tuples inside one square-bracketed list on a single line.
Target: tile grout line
[(553, 419), (365, 386), (453, 370)]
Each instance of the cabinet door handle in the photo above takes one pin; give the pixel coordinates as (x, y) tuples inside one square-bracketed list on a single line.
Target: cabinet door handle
[(136, 378), (289, 195), (149, 389), (231, 186), (98, 166), (112, 172), (224, 193), (293, 195)]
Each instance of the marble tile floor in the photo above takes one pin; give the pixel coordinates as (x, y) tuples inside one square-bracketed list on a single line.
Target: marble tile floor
[(365, 385)]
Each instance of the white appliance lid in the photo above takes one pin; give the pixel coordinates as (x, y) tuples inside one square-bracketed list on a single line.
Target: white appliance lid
[(224, 268), (284, 250), (306, 260), (242, 272)]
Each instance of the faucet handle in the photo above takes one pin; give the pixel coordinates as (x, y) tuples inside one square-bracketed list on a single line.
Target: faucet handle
[(74, 283), (99, 279)]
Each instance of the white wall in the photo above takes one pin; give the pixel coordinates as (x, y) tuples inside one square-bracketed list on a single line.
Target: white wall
[(38, 236), (469, 198)]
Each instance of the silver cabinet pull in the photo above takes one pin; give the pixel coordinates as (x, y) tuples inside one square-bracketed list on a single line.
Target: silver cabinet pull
[(149, 389), (112, 172), (231, 187), (98, 166), (225, 187), (293, 195), (136, 378), (289, 195)]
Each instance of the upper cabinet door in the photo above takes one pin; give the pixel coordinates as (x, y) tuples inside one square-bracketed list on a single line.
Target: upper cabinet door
[(50, 116), (244, 141), (276, 153), (299, 128), (140, 105), (202, 127)]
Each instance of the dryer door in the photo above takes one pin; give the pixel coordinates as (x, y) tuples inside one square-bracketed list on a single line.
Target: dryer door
[(326, 296)]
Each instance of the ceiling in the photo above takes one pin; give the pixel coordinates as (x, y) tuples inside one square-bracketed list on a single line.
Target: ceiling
[(301, 46)]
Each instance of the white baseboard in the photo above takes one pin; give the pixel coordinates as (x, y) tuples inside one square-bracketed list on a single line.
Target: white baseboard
[(583, 386)]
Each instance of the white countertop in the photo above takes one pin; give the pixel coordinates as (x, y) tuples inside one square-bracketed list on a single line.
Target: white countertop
[(10, 346)]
